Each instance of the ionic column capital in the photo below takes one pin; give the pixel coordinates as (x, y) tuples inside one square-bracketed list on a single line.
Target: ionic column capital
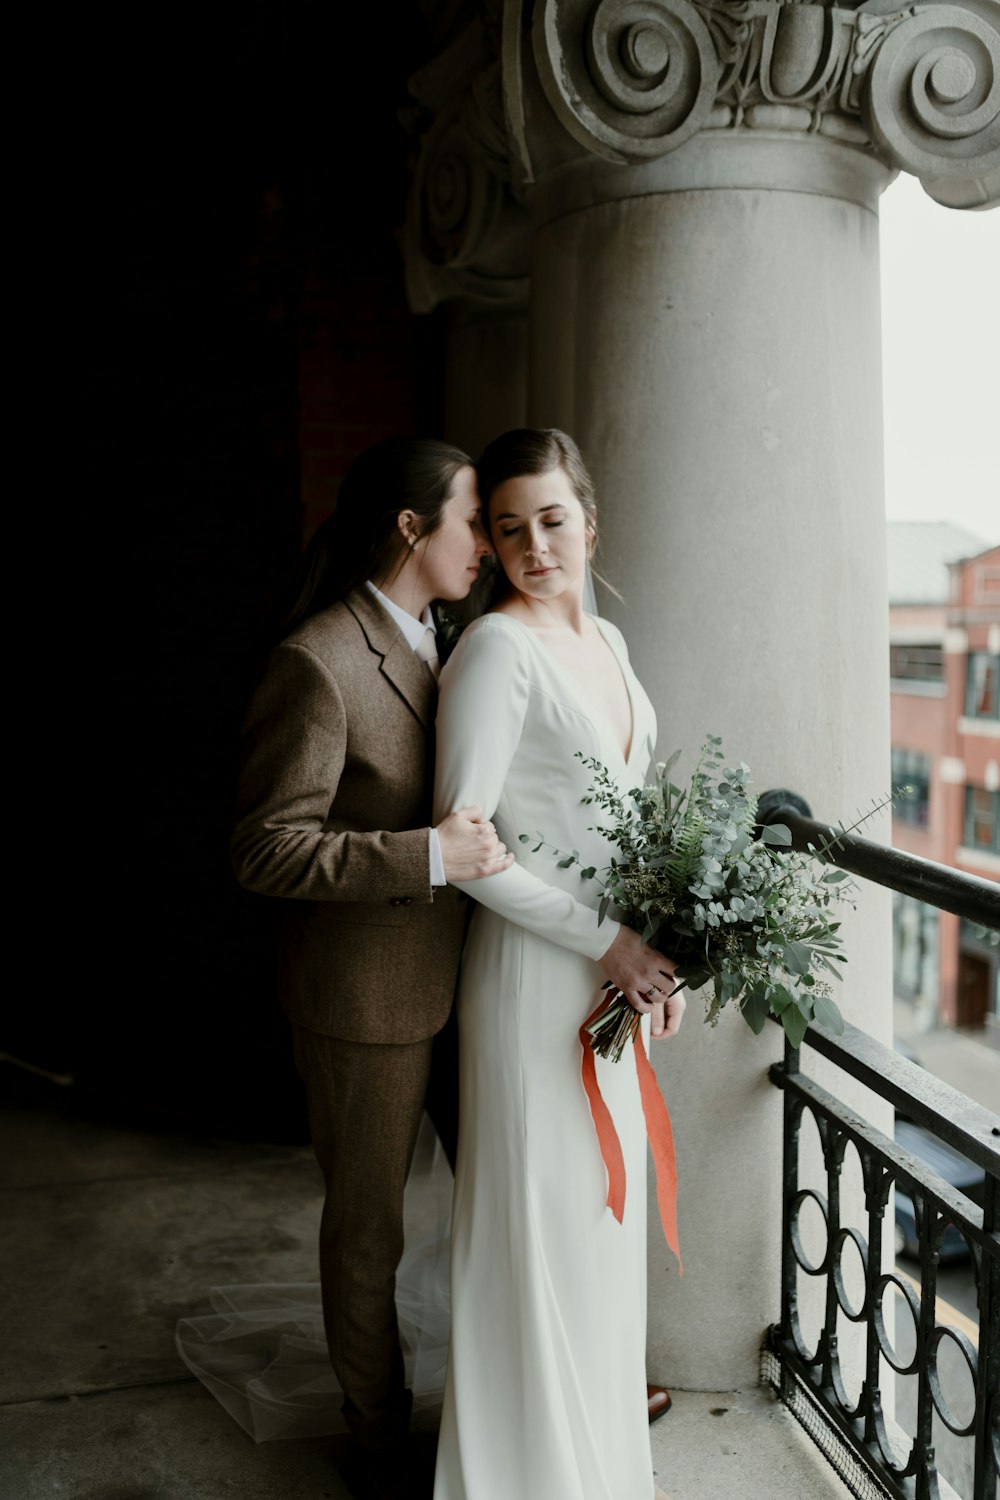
[(916, 86)]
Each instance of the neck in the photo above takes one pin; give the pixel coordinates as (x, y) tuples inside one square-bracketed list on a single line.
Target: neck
[(563, 613), (403, 587)]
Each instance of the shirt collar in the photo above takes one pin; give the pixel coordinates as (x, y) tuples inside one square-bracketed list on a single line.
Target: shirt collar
[(412, 630)]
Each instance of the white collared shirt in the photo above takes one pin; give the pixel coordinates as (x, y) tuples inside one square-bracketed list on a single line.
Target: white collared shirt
[(413, 632)]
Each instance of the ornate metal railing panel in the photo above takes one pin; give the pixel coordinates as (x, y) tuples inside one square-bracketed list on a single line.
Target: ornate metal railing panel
[(855, 1430)]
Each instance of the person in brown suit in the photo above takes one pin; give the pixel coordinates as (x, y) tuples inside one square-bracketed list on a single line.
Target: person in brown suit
[(333, 817)]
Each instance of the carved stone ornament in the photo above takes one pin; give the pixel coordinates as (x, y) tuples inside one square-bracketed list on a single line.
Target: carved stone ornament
[(634, 79), (931, 92), (465, 237), (629, 79)]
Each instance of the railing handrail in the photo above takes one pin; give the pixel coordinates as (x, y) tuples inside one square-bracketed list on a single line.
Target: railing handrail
[(970, 1128), (970, 896)]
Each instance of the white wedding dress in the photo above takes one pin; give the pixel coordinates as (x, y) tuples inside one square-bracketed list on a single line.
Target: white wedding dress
[(546, 1390)]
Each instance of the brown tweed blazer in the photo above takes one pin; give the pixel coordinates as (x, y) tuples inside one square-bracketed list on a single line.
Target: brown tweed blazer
[(332, 814)]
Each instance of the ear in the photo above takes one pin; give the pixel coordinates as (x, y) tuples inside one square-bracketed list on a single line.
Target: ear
[(407, 523)]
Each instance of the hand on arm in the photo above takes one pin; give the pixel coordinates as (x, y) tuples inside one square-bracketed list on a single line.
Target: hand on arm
[(470, 847), (635, 969)]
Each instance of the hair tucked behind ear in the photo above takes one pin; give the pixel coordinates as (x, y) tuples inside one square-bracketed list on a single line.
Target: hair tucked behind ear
[(361, 540)]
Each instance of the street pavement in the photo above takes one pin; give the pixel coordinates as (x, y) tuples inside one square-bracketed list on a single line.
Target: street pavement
[(969, 1061)]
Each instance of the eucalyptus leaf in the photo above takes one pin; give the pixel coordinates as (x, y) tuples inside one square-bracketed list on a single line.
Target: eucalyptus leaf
[(754, 1010), (795, 1025), (797, 958), (828, 1015), (776, 833), (669, 766)]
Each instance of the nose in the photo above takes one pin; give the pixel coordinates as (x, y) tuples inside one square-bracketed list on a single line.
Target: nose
[(537, 545), (484, 547)]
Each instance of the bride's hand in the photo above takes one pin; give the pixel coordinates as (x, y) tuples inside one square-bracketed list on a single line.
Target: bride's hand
[(470, 848), (639, 972)]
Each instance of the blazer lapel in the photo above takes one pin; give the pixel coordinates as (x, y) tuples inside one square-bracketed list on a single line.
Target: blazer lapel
[(397, 661)]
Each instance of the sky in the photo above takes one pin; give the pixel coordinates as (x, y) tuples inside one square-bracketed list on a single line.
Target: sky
[(941, 360)]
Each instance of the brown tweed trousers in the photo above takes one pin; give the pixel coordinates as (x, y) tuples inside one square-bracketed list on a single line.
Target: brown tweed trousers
[(333, 813)]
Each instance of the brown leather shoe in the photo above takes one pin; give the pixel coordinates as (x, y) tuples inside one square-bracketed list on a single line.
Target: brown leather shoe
[(658, 1400)]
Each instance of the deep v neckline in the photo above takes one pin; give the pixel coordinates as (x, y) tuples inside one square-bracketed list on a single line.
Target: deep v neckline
[(599, 721)]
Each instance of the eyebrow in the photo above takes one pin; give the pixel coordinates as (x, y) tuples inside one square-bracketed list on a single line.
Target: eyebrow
[(508, 515)]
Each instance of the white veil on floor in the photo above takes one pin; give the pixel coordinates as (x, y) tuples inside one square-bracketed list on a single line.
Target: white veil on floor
[(262, 1352)]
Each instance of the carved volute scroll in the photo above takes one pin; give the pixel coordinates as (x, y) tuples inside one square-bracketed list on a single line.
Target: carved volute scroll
[(630, 79), (931, 92)]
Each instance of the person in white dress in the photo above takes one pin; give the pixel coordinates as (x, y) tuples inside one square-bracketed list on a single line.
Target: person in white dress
[(545, 1391)]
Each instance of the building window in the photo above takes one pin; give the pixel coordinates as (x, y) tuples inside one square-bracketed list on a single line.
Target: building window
[(982, 686), (911, 786), (987, 584), (982, 820), (915, 950), (916, 663)]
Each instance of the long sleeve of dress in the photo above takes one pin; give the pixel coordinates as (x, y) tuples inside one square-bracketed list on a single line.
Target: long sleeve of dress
[(486, 694), (295, 745)]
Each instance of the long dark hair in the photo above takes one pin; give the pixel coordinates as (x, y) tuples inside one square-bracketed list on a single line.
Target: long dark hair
[(537, 450), (361, 539)]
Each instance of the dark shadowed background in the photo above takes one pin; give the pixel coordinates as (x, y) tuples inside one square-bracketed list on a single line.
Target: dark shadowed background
[(237, 175)]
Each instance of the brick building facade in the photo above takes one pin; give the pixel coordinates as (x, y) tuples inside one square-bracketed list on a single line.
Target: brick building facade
[(945, 676)]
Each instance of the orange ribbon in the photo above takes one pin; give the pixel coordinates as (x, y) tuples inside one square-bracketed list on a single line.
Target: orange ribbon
[(658, 1129)]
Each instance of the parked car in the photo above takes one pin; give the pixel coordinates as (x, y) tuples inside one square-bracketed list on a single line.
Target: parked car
[(948, 1163)]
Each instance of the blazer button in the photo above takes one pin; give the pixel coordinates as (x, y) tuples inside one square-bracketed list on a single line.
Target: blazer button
[(394, 900)]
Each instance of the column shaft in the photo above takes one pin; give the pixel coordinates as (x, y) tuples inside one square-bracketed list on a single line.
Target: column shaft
[(717, 355)]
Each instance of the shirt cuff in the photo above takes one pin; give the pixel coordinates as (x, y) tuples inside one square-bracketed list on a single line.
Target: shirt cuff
[(438, 876)]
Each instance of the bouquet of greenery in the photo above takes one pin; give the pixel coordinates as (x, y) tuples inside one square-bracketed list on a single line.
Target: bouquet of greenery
[(731, 903)]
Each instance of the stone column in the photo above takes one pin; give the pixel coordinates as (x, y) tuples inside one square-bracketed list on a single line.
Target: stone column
[(704, 180)]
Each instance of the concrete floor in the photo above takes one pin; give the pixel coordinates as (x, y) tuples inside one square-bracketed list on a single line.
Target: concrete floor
[(108, 1236)]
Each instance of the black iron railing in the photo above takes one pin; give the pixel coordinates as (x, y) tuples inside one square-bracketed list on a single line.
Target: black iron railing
[(860, 1437)]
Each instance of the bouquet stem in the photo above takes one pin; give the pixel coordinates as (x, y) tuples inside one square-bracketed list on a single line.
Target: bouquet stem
[(615, 1028)]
